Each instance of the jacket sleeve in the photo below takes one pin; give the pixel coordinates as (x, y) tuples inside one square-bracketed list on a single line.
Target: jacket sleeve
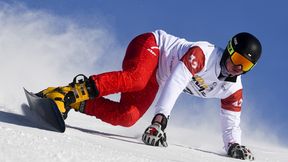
[(192, 62), (230, 118)]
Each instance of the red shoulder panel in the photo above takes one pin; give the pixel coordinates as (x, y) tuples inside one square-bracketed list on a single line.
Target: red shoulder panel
[(194, 59)]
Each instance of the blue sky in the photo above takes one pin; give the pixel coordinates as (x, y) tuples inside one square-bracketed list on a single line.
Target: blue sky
[(214, 21)]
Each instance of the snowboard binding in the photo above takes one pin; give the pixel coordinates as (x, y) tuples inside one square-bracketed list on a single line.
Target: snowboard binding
[(67, 97)]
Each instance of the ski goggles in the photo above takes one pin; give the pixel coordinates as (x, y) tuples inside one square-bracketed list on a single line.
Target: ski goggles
[(238, 59)]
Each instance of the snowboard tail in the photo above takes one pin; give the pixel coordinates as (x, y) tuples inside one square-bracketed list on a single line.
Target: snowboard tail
[(47, 110)]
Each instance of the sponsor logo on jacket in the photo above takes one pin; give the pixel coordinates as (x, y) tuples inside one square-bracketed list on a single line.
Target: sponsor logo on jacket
[(199, 85)]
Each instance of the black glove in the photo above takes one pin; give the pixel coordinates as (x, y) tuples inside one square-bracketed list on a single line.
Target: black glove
[(154, 135), (240, 152)]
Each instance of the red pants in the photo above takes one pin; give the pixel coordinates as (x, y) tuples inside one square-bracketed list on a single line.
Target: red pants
[(136, 82)]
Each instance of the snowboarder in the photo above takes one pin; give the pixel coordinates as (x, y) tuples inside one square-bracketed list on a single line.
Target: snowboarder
[(158, 59)]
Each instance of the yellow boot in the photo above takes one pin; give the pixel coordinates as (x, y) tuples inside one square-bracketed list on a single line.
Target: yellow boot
[(72, 96), (57, 94)]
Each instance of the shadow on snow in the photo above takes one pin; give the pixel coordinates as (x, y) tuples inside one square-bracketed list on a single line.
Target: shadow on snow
[(108, 135)]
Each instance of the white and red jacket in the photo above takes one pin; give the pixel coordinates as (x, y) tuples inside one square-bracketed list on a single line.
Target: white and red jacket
[(194, 67)]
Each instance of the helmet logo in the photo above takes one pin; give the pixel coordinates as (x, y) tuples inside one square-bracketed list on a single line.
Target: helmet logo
[(230, 48), (235, 41)]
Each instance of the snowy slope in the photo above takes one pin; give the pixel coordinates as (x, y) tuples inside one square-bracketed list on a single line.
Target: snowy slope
[(88, 139)]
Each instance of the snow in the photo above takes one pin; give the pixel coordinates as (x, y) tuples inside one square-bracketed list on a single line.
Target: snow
[(40, 50), (89, 139)]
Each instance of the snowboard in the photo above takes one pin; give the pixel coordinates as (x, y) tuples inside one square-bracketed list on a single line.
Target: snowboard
[(47, 110)]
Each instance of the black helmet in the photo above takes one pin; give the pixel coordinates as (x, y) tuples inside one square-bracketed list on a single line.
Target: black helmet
[(243, 49), (247, 45)]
